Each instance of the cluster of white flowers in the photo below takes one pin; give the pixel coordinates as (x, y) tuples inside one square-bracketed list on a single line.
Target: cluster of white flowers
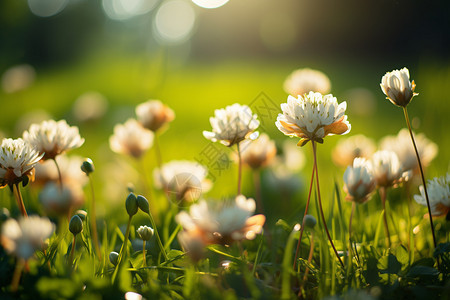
[(439, 195)]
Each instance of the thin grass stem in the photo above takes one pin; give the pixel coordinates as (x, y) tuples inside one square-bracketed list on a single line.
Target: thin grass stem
[(382, 191), (93, 220)]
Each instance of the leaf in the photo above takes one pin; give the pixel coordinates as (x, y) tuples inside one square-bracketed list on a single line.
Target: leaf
[(441, 249), (422, 272), (283, 224), (391, 264), (402, 255)]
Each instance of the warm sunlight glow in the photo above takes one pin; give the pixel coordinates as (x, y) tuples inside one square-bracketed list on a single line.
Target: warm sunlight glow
[(210, 3)]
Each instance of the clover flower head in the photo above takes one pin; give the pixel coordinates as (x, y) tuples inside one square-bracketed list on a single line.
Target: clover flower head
[(53, 138), (397, 87), (22, 238), (387, 169), (307, 80), (259, 152), (350, 148), (438, 193), (401, 145), (17, 161), (359, 181), (222, 222), (185, 179), (232, 124), (131, 138), (153, 114), (312, 117)]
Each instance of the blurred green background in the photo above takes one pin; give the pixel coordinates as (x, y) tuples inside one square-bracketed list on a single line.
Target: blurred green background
[(197, 60)]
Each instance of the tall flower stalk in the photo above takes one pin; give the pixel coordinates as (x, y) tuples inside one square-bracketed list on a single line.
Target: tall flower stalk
[(398, 89)]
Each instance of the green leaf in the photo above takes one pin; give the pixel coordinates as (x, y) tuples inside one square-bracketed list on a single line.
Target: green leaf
[(389, 264), (422, 271)]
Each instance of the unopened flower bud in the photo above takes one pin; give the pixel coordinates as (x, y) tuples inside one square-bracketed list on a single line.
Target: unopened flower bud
[(309, 222), (131, 205), (87, 166), (82, 214), (145, 233), (143, 204), (113, 257), (130, 187), (75, 225)]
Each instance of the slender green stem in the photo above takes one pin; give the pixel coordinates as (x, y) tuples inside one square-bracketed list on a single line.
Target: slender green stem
[(123, 250), (303, 221), (350, 262), (59, 174), (405, 111), (305, 276), (157, 151), (93, 220), (144, 260), (158, 239), (320, 206), (72, 251), (257, 186), (239, 169), (382, 191), (19, 200)]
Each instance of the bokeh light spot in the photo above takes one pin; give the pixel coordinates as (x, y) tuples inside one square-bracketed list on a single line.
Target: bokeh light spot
[(174, 22), (210, 3), (47, 8), (126, 9)]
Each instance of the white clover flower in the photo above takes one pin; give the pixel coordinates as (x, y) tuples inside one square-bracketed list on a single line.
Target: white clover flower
[(387, 169), (350, 148), (359, 181), (222, 222), (185, 179), (313, 117), (153, 114), (397, 87), (17, 161), (24, 237), (439, 195), (306, 80), (57, 201), (259, 152), (232, 125), (145, 233), (131, 138), (53, 138), (401, 145), (69, 167)]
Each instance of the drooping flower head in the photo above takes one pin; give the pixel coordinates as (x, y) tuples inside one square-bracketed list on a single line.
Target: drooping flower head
[(359, 181), (313, 117), (401, 145), (185, 180), (355, 146), (131, 138), (17, 161), (216, 222), (306, 80), (153, 114), (439, 194), (22, 238), (53, 138), (259, 152), (397, 87), (387, 169), (232, 125)]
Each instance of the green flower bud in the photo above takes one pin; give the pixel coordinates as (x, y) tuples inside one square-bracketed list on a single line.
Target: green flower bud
[(87, 166), (131, 205), (143, 204), (82, 214), (145, 233), (309, 222), (76, 225), (113, 257)]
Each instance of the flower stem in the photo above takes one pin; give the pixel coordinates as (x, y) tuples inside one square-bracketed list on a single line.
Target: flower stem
[(350, 232), (93, 220), (382, 192), (405, 111), (320, 205), (19, 199), (303, 221), (17, 273), (305, 276), (72, 251), (123, 250), (239, 169), (158, 239), (59, 175), (257, 187), (144, 262)]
